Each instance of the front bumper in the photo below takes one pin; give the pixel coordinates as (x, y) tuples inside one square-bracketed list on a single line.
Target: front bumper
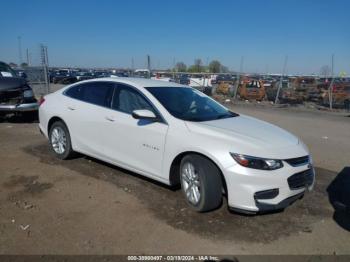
[(246, 188), (25, 107)]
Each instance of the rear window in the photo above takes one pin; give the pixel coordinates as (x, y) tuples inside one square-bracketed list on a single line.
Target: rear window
[(98, 93)]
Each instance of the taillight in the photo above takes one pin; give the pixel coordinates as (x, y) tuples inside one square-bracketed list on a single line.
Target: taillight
[(41, 100)]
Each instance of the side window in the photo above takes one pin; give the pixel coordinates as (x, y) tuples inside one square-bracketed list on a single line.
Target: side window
[(127, 99), (98, 93), (75, 91)]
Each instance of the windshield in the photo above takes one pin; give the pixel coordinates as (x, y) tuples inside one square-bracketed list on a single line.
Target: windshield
[(6, 70), (189, 104)]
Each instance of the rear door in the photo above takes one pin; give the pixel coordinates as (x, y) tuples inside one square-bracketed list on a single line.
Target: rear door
[(87, 113)]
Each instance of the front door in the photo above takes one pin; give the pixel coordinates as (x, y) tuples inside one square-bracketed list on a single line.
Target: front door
[(136, 143)]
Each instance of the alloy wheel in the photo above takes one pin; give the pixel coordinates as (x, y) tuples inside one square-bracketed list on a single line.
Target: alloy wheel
[(191, 183), (58, 140)]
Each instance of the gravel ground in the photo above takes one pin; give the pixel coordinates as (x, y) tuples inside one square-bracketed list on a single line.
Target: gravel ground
[(85, 206)]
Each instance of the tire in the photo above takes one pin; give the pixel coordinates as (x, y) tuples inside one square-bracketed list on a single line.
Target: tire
[(199, 175), (59, 134)]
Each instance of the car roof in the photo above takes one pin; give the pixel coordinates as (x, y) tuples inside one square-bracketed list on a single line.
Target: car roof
[(138, 82)]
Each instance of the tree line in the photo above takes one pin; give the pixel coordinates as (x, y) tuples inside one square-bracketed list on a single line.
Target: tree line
[(213, 67)]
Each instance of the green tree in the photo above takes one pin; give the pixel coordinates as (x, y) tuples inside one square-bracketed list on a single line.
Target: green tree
[(192, 69), (23, 65), (198, 65), (215, 66), (180, 67)]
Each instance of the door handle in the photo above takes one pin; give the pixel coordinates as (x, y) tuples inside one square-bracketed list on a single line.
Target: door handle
[(71, 108), (108, 118)]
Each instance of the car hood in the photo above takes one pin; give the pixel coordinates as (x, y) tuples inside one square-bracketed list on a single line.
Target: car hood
[(250, 136)]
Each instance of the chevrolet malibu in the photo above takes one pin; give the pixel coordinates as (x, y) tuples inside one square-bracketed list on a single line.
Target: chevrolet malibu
[(177, 135)]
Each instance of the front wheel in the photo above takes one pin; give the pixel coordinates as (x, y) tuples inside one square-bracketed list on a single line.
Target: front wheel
[(201, 183), (60, 140)]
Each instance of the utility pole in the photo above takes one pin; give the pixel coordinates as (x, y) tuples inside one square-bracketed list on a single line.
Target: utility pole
[(281, 79), (20, 50), (44, 62), (27, 54), (47, 57), (174, 68), (238, 76), (149, 66), (132, 66), (330, 89)]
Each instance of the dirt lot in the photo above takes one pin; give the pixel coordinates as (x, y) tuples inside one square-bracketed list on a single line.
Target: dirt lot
[(88, 207)]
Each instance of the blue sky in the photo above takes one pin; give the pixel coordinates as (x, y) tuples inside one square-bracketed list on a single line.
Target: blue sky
[(109, 33)]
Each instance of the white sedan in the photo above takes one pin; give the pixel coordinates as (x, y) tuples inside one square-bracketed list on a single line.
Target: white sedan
[(177, 135)]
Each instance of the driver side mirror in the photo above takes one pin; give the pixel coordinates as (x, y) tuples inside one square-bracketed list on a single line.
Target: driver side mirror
[(144, 114)]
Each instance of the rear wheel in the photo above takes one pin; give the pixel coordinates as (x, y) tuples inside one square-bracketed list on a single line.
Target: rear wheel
[(60, 140), (201, 183)]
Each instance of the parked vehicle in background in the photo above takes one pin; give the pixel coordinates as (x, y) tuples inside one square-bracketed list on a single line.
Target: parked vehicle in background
[(115, 73), (167, 77), (224, 78), (182, 79), (200, 81), (177, 135), (16, 96), (83, 75), (62, 76), (340, 96), (21, 73), (252, 90), (271, 92), (300, 86), (100, 74), (142, 73), (225, 88)]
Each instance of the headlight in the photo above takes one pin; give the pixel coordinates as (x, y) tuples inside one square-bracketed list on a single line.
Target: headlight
[(257, 163), (28, 93)]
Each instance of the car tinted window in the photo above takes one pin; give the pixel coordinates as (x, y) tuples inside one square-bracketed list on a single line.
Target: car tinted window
[(127, 99), (98, 93), (75, 91)]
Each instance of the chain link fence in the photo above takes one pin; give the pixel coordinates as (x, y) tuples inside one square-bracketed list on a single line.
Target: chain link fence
[(36, 79)]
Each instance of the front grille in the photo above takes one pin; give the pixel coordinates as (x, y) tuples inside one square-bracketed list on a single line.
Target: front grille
[(299, 161), (11, 96), (301, 179)]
